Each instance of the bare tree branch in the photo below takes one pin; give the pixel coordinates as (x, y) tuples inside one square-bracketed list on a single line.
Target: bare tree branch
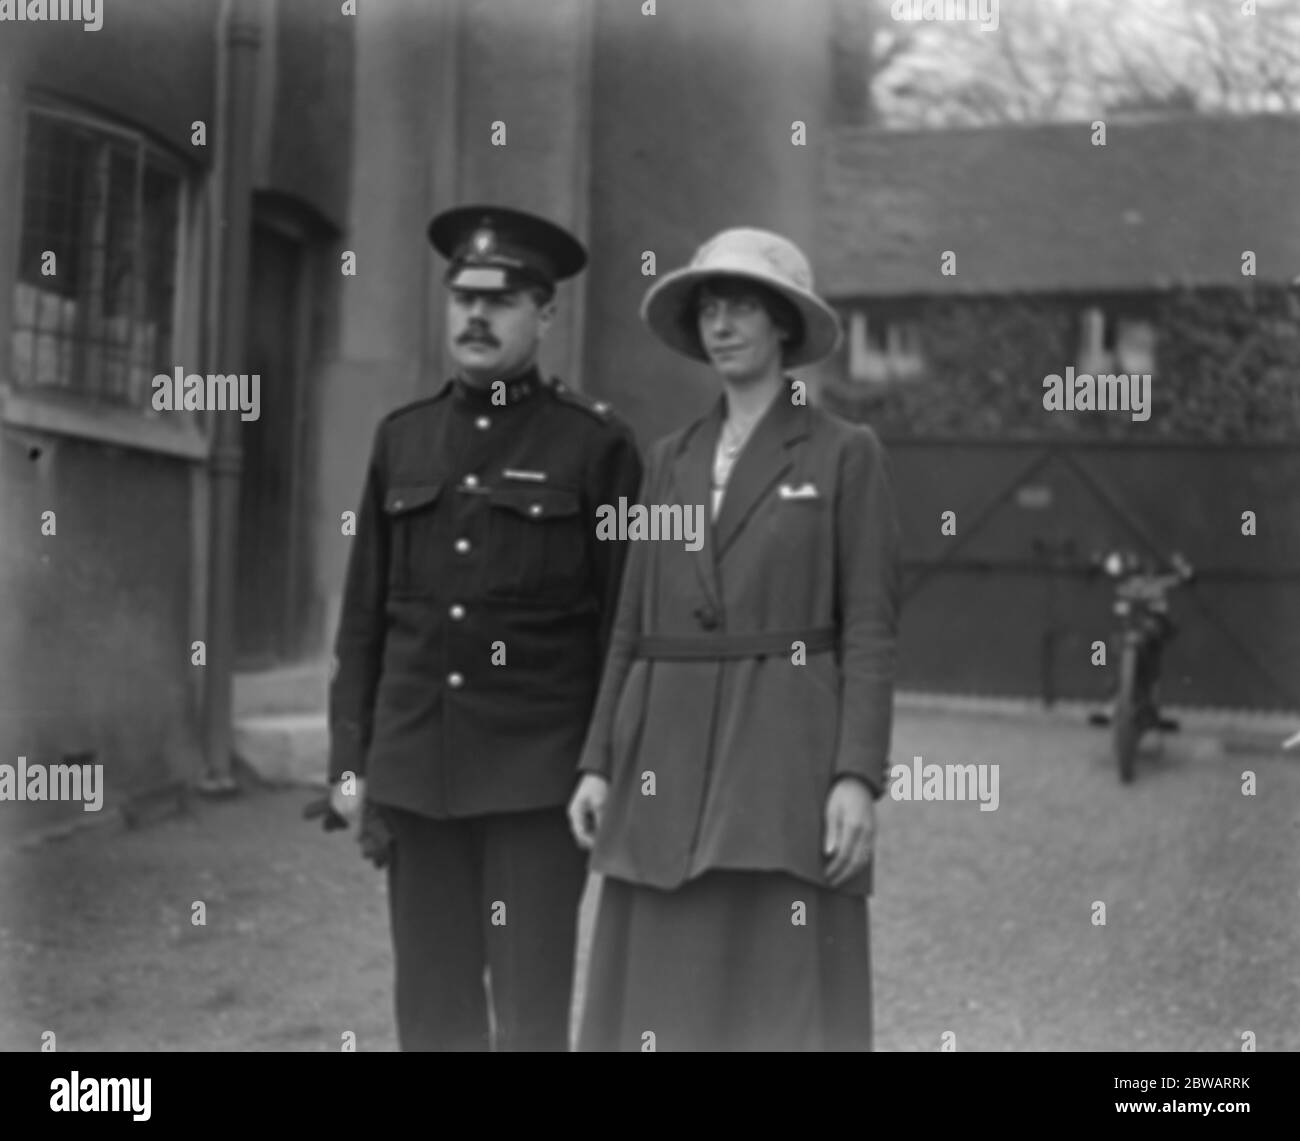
[(1058, 59)]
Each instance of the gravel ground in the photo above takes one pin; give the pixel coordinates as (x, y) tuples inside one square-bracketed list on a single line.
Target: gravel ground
[(981, 923)]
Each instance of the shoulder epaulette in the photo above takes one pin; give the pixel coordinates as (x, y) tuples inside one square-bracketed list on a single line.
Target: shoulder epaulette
[(601, 409), (421, 403)]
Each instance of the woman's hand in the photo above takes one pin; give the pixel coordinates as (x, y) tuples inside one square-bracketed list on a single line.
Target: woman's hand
[(586, 807), (850, 829)]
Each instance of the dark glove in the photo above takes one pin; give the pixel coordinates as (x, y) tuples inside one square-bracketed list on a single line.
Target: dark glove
[(376, 837), (322, 807)]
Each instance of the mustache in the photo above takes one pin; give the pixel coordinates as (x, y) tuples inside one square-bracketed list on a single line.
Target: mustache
[(477, 336)]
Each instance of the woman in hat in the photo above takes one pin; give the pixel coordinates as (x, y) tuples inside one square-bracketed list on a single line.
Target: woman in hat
[(741, 733)]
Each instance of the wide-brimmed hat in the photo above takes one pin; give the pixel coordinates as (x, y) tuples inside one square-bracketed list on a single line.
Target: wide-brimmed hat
[(761, 256)]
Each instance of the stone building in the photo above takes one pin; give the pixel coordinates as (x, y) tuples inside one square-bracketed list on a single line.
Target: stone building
[(200, 170)]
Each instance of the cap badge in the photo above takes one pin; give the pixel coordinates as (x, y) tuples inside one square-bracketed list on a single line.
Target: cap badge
[(483, 241)]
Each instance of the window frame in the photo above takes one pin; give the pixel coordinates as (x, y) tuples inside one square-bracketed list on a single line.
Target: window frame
[(1114, 322), (902, 359), (87, 413)]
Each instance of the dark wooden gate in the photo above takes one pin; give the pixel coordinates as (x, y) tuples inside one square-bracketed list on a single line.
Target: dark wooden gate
[(1006, 607)]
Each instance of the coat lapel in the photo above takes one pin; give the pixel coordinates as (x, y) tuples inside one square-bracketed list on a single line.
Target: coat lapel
[(693, 481), (765, 458)]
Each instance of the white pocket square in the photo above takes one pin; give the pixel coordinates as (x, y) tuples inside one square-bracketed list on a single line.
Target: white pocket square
[(803, 491)]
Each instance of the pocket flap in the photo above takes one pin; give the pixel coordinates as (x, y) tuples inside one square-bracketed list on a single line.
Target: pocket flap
[(410, 497), (538, 503)]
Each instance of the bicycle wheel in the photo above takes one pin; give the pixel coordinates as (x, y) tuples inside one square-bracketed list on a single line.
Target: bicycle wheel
[(1124, 727)]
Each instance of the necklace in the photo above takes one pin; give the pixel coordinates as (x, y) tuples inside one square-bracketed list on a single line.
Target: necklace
[(738, 436), (729, 446)]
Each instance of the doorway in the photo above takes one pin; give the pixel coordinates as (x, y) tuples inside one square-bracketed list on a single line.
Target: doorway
[(270, 570)]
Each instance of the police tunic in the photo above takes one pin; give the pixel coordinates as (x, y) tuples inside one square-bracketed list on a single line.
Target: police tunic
[(478, 599)]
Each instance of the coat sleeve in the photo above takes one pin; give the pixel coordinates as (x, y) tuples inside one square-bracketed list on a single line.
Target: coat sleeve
[(868, 598), (614, 472), (359, 647), (595, 757)]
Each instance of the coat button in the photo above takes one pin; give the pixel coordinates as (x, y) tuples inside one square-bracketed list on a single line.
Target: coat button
[(471, 480), (462, 546), (457, 612), (482, 423), (455, 680), (535, 509), (707, 617), (398, 504)]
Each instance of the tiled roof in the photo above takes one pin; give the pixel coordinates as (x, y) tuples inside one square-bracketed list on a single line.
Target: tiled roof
[(1167, 201)]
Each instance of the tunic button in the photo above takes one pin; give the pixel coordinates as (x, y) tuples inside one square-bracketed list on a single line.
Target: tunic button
[(457, 612), (482, 423), (455, 680), (462, 546), (471, 480), (398, 504), (535, 509)]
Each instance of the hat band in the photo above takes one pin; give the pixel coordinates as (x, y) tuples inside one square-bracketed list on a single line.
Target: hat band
[(498, 279), (480, 277)]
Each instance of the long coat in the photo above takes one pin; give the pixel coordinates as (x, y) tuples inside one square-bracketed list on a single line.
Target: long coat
[(478, 600), (721, 749)]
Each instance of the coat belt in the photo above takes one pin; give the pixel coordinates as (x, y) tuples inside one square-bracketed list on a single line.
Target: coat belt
[(714, 647)]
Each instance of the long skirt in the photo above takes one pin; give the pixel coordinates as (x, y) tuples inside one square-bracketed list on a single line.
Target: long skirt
[(728, 961)]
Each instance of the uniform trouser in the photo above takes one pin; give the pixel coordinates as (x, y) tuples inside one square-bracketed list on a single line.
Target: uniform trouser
[(499, 891)]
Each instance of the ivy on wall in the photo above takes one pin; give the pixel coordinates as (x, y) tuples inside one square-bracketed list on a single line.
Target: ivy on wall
[(1227, 368)]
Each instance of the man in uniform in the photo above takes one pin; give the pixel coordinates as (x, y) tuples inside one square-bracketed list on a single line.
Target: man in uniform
[(475, 614)]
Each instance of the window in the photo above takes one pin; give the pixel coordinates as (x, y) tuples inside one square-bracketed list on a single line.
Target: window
[(1111, 344), (94, 292), (882, 350)]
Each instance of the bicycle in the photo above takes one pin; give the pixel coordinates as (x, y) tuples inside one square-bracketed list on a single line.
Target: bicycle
[(1141, 603)]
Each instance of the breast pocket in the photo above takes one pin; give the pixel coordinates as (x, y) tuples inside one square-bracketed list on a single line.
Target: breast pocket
[(798, 521), (412, 547), (536, 543)]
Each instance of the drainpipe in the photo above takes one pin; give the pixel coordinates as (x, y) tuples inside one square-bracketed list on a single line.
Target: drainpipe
[(243, 39)]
